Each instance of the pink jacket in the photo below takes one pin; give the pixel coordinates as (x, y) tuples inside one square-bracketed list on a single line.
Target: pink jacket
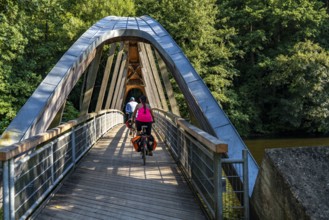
[(144, 116)]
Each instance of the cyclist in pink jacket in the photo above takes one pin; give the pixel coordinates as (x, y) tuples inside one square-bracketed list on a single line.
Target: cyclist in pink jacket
[(143, 115)]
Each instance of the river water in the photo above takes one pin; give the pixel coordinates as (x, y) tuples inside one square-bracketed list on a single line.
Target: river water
[(257, 146)]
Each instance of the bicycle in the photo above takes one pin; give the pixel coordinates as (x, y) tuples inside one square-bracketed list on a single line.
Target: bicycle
[(131, 127), (144, 141)]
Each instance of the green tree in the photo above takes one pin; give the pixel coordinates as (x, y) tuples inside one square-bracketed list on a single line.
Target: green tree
[(15, 82), (267, 30), (245, 18), (299, 82), (34, 35), (193, 26), (92, 11)]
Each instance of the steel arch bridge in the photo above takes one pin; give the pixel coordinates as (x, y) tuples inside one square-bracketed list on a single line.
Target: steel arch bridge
[(140, 55)]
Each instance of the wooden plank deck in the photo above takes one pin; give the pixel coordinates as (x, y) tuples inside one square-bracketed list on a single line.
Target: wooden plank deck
[(111, 182)]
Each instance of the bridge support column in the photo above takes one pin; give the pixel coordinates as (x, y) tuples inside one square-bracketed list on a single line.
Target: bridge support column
[(90, 81), (121, 78), (122, 83), (156, 77), (114, 77), (169, 89), (105, 80), (152, 92)]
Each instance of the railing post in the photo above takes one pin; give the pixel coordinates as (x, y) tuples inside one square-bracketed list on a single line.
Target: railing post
[(86, 137), (12, 188), (5, 190), (104, 128), (95, 132), (166, 132), (101, 125), (189, 145), (8, 189), (178, 142), (52, 163), (218, 186), (74, 156), (245, 184), (106, 122)]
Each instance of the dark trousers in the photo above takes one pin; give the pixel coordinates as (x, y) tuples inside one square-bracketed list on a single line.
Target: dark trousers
[(139, 125)]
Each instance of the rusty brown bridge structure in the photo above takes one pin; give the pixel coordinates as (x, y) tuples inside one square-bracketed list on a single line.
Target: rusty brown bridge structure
[(86, 168)]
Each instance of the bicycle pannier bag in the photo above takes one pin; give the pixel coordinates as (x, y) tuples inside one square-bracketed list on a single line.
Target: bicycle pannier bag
[(152, 144), (136, 143)]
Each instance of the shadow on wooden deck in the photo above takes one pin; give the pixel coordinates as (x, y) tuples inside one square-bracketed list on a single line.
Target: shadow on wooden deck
[(111, 182)]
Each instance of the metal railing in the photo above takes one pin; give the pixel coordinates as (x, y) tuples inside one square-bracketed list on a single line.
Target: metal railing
[(217, 180), (235, 195), (35, 166)]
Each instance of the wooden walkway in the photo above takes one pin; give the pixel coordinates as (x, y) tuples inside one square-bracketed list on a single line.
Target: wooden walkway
[(111, 182)]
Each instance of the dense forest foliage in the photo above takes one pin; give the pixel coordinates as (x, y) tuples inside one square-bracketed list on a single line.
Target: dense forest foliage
[(266, 62)]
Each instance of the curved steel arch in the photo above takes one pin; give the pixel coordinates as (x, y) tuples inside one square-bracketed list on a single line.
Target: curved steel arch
[(39, 111)]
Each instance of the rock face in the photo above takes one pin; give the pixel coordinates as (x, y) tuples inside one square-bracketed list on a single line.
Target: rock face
[(293, 183)]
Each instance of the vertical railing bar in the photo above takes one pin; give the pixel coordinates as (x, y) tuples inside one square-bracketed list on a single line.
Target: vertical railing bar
[(73, 144), (187, 141), (104, 125), (245, 184), (100, 126), (52, 163), (85, 132), (218, 187), (95, 131), (179, 143), (6, 191), (110, 120), (106, 122), (12, 188)]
